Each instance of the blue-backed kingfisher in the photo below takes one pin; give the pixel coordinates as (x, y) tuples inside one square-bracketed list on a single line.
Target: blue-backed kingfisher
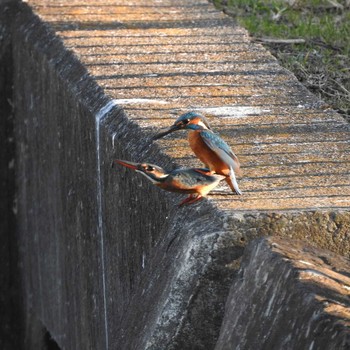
[(210, 148), (197, 182)]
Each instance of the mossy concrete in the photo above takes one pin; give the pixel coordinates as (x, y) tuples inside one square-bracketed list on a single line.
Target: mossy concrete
[(108, 260)]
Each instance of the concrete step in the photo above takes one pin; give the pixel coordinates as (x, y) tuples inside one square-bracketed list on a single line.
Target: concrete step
[(309, 300)]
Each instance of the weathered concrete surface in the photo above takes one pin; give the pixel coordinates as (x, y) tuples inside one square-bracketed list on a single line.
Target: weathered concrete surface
[(110, 262), (158, 59), (10, 310), (60, 237), (288, 296)]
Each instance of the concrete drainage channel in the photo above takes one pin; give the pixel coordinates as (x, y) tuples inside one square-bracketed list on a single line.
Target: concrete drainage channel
[(108, 261)]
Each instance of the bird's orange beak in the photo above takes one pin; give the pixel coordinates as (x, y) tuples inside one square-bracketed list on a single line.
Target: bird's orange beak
[(127, 164)]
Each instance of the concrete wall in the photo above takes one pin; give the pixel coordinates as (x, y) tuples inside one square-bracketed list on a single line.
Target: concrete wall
[(303, 306), (106, 260), (10, 291)]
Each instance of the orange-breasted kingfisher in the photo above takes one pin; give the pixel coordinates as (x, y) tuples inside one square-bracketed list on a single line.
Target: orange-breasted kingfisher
[(197, 182), (210, 148)]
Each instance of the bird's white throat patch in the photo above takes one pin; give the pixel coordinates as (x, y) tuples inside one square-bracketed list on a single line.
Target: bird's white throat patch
[(149, 177), (200, 123)]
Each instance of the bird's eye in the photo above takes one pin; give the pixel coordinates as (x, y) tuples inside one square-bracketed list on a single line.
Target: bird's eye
[(149, 168), (186, 121)]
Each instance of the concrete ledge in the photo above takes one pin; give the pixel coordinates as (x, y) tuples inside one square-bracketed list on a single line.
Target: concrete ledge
[(288, 296), (110, 262)]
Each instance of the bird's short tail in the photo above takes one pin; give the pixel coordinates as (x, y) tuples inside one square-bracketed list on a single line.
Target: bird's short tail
[(232, 182)]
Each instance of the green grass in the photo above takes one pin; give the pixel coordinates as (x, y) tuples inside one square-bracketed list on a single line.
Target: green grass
[(322, 63)]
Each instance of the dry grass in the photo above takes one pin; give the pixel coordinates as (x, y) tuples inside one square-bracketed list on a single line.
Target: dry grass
[(310, 38)]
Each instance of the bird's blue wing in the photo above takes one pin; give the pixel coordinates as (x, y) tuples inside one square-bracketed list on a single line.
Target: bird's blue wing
[(189, 178), (221, 148)]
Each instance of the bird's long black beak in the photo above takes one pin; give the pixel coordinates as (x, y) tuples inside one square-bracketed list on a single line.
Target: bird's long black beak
[(166, 132)]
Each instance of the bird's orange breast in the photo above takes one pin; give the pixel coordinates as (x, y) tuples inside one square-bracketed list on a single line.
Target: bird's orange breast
[(206, 155)]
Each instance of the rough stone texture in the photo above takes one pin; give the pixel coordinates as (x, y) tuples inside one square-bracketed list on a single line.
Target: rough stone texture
[(10, 316), (60, 237), (288, 296), (110, 262), (160, 59)]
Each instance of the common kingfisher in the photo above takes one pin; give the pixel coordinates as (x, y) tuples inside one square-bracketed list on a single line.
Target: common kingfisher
[(195, 181), (210, 148)]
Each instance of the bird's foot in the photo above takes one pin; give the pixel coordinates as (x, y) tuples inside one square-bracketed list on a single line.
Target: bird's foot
[(190, 199)]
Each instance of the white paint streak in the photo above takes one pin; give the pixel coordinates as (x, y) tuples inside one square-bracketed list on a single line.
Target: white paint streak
[(306, 263), (232, 111), (129, 101), (314, 273), (313, 318), (143, 260), (113, 137), (104, 110), (99, 116), (272, 299)]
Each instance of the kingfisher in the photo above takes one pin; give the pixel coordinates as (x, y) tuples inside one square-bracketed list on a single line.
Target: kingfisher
[(197, 182), (210, 148)]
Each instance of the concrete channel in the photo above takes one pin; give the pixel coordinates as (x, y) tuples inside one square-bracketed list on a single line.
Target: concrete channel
[(109, 261)]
